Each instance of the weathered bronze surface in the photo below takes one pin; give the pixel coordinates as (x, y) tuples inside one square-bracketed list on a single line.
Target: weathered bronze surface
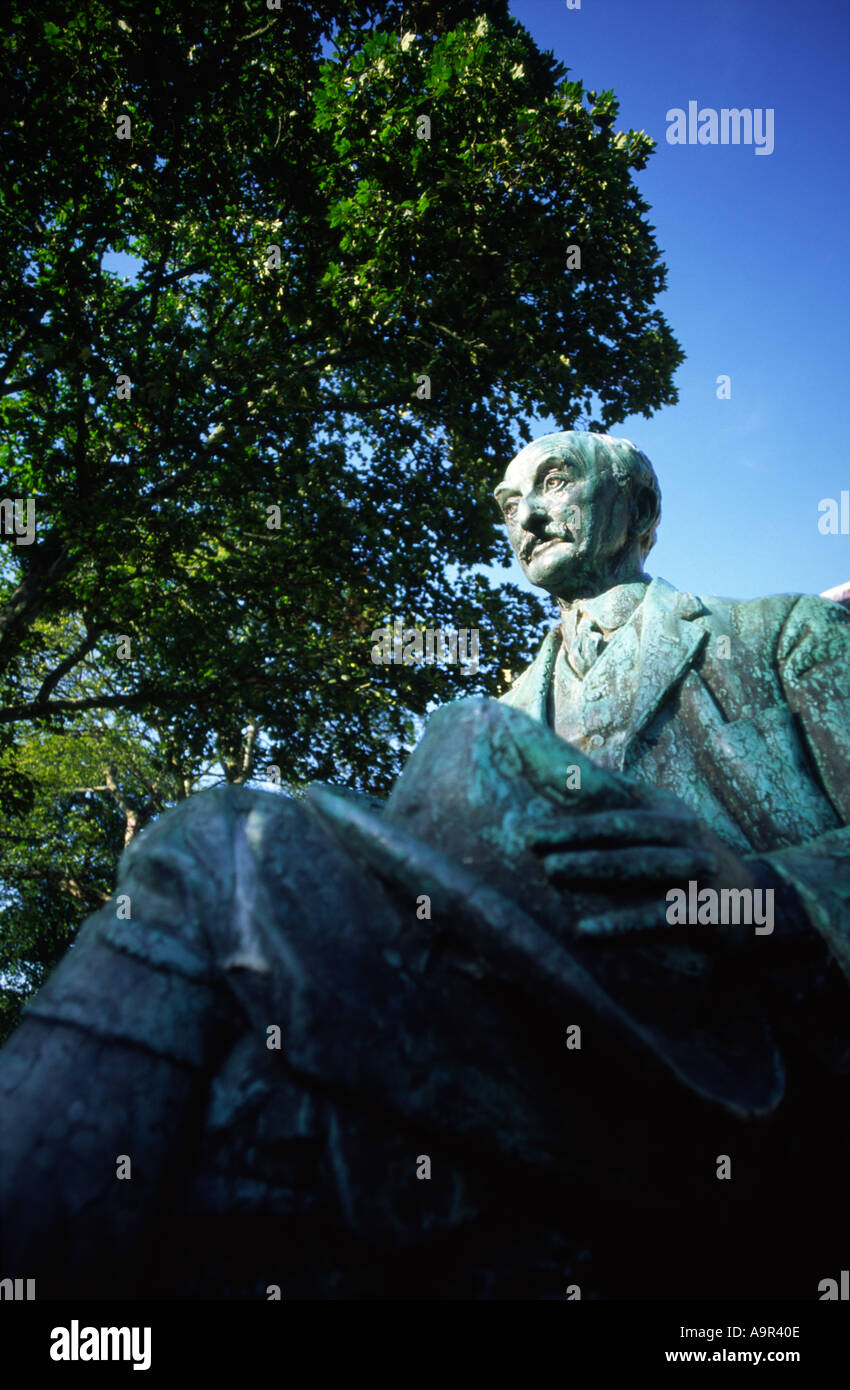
[(503, 1068)]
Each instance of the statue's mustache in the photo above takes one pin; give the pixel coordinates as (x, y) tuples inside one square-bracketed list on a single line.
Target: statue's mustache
[(531, 542)]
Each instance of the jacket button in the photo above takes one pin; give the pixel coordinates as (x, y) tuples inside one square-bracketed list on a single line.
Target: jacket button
[(595, 741)]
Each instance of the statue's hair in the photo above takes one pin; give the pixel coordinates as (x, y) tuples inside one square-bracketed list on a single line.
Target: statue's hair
[(629, 465)]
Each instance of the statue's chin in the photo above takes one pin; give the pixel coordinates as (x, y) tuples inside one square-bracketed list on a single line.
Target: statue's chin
[(557, 569)]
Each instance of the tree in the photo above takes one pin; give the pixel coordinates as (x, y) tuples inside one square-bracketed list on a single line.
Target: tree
[(355, 292)]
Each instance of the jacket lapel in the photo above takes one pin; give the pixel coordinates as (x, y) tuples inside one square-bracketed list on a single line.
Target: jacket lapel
[(531, 692), (629, 682)]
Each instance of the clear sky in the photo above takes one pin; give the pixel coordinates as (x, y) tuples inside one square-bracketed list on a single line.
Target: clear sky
[(757, 250)]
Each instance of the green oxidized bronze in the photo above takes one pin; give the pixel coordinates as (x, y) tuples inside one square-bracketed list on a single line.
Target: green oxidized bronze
[(493, 972), (740, 709)]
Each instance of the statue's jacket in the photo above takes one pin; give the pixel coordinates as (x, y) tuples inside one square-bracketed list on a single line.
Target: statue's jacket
[(741, 709), (316, 1090)]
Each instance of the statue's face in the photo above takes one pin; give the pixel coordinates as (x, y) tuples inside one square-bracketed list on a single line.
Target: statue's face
[(568, 521)]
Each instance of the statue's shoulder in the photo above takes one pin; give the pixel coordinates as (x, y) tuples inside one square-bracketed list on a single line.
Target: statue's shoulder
[(776, 615), (720, 609)]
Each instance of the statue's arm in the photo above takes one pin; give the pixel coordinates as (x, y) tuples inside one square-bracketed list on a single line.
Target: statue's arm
[(813, 657)]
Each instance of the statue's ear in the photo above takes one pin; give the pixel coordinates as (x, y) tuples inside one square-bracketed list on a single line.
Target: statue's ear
[(644, 507)]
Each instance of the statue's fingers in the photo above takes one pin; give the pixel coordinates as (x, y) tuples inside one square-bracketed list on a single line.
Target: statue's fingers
[(628, 867), (608, 828), (638, 917)]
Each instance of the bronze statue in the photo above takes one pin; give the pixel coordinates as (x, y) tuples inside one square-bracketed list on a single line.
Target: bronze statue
[(565, 1017)]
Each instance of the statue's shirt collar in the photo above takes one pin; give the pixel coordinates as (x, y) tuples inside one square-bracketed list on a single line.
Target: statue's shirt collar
[(608, 611)]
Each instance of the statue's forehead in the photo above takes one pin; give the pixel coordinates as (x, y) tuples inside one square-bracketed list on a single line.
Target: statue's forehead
[(521, 468)]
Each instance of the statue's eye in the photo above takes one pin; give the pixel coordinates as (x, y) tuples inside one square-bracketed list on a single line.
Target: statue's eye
[(509, 510), (555, 482)]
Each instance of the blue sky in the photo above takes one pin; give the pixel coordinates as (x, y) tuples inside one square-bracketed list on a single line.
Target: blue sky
[(757, 250)]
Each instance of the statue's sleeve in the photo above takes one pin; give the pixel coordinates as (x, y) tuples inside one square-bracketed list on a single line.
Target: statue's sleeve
[(813, 655), (102, 1087)]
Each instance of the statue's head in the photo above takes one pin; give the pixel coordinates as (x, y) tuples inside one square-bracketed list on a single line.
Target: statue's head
[(581, 511)]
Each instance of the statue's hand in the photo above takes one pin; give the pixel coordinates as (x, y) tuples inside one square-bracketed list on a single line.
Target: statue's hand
[(636, 856)]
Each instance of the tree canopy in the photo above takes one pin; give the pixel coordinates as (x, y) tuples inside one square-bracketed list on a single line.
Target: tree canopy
[(370, 248)]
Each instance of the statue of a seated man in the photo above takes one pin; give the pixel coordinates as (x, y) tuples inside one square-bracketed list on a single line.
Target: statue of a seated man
[(566, 1017)]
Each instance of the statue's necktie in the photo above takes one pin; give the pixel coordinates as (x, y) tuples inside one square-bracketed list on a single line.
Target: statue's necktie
[(586, 646)]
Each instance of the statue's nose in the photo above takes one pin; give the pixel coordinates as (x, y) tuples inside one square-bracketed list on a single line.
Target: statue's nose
[(529, 513)]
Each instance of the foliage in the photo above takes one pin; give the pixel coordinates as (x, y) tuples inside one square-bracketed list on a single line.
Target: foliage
[(255, 387)]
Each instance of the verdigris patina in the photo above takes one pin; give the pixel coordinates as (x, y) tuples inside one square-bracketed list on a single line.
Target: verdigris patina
[(459, 1046), (741, 709)]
